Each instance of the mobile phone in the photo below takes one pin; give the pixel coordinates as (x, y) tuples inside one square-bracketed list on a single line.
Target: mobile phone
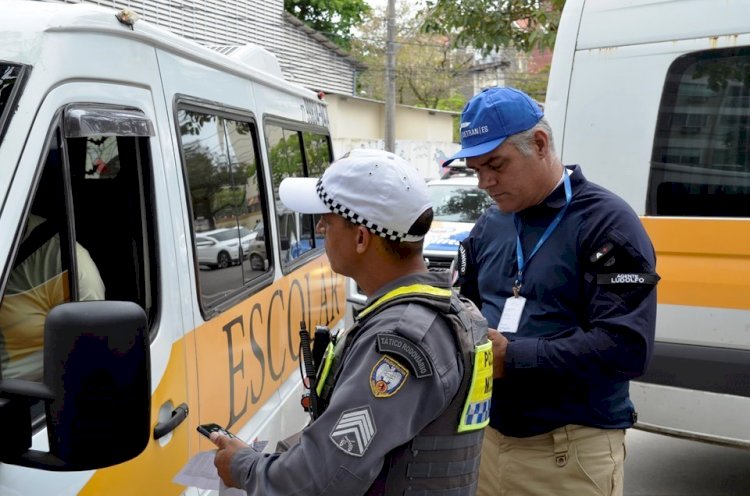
[(207, 429)]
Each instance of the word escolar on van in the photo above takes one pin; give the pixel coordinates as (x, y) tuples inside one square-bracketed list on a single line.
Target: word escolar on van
[(149, 280)]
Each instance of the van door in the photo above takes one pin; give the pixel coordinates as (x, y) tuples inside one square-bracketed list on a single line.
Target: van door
[(92, 173)]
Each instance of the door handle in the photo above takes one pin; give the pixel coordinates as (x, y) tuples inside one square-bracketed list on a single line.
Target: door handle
[(179, 414)]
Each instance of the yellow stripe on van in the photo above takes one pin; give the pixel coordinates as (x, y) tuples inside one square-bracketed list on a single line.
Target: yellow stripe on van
[(228, 383), (702, 262), (243, 356), (136, 477)]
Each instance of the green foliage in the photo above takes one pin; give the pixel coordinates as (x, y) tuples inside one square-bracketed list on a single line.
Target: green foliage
[(213, 189), (334, 18), (428, 67), (534, 85), (285, 157), (489, 25), (722, 73)]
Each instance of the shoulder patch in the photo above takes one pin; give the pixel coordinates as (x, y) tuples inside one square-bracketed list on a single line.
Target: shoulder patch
[(461, 261), (354, 431), (602, 255), (387, 377), (411, 352)]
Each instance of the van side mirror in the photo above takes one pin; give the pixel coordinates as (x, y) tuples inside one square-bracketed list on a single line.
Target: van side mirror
[(96, 389)]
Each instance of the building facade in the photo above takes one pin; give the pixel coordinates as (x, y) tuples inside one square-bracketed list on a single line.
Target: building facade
[(424, 137), (306, 56)]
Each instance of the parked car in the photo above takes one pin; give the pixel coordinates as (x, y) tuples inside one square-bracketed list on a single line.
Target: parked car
[(256, 250), (220, 248), (457, 203)]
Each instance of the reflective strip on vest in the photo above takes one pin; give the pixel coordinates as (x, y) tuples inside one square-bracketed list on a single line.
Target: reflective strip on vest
[(413, 290), (476, 413), (327, 362)]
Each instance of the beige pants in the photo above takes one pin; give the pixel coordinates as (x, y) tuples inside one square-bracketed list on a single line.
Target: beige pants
[(573, 460)]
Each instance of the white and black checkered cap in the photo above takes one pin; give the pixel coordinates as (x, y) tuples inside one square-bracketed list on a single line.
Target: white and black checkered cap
[(374, 188)]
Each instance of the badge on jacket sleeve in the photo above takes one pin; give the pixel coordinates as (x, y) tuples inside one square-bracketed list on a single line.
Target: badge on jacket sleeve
[(387, 377), (354, 431)]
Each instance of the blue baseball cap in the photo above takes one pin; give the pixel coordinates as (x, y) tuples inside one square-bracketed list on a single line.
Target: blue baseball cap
[(493, 115)]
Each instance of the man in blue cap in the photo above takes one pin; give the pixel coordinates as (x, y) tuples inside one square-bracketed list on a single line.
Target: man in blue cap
[(566, 273)]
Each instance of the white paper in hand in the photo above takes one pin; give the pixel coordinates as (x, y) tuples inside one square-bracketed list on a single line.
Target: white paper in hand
[(200, 472)]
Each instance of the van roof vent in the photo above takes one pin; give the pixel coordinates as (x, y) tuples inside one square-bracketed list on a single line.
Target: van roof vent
[(252, 55)]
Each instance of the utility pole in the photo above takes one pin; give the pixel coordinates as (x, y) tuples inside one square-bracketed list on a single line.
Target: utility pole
[(390, 77)]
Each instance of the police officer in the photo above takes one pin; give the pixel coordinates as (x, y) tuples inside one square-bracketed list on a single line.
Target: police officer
[(405, 391), (565, 271)]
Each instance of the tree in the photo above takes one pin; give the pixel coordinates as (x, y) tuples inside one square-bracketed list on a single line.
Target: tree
[(334, 18), (489, 25), (429, 69), (534, 85)]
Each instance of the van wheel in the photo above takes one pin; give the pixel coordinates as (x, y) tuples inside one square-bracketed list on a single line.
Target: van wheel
[(223, 260), (256, 262)]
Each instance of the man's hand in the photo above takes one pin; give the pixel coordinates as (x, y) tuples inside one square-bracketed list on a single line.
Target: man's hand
[(499, 346), (227, 448)]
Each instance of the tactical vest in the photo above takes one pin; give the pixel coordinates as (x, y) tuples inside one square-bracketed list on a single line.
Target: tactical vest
[(443, 459)]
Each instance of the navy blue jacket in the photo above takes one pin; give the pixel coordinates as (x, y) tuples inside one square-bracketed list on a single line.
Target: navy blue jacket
[(588, 324)]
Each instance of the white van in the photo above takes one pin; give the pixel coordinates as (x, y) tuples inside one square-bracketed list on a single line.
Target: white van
[(126, 142), (652, 98)]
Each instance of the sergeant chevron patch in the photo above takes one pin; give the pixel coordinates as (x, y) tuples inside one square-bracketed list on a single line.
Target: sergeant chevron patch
[(354, 431)]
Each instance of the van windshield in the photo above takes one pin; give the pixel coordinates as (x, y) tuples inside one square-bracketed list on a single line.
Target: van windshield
[(10, 83)]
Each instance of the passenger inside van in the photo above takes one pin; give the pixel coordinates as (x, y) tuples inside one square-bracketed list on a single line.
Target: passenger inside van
[(104, 226), (37, 283)]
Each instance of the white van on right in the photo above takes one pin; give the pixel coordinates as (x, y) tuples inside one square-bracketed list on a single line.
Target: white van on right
[(652, 98)]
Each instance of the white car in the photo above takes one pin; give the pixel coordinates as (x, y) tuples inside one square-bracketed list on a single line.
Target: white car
[(220, 248), (457, 203), (256, 250)]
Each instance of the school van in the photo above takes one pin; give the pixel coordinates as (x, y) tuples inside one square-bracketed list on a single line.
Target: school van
[(121, 145), (652, 98)]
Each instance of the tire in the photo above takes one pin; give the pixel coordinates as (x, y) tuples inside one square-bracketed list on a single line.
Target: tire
[(256, 262), (223, 260)]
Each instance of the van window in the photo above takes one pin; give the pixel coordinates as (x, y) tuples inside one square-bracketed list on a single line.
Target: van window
[(11, 77), (221, 162), (701, 157), (317, 153), (296, 153), (89, 233)]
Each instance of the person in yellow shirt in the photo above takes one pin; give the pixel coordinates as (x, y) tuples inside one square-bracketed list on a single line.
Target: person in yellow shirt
[(36, 284)]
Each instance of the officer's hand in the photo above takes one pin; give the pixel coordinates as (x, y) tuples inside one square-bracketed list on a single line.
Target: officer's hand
[(499, 346), (223, 459)]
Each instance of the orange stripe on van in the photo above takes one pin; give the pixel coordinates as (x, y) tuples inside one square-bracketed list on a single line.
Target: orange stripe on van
[(136, 477), (228, 384), (244, 355), (702, 262)]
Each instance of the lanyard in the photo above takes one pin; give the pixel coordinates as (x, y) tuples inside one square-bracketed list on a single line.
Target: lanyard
[(519, 251)]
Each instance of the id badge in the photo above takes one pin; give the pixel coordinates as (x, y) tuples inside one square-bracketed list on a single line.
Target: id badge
[(511, 316)]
